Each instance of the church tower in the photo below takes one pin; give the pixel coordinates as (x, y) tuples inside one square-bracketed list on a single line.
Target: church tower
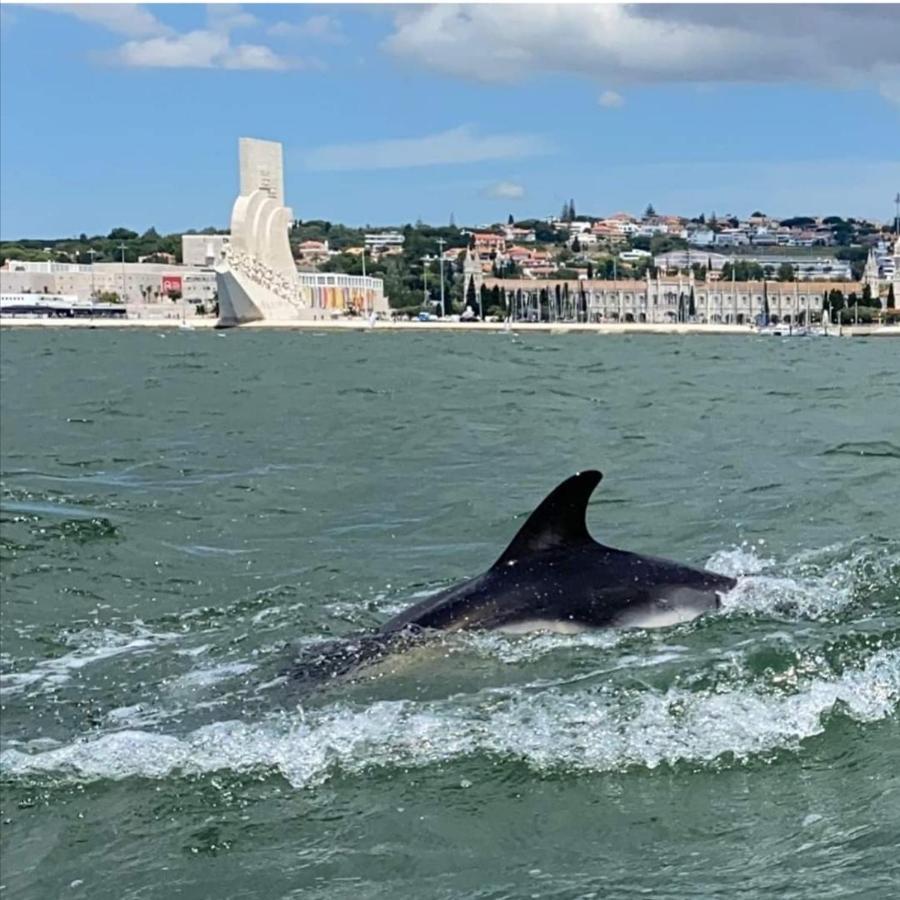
[(473, 279)]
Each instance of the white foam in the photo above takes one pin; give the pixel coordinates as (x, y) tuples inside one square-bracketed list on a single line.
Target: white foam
[(811, 584), (91, 646), (599, 730)]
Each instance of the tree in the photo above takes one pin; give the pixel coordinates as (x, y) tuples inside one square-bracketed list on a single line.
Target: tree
[(649, 211), (510, 220), (576, 245), (692, 305), (122, 234), (890, 297), (757, 215), (471, 297), (571, 210), (786, 272), (590, 271), (742, 270)]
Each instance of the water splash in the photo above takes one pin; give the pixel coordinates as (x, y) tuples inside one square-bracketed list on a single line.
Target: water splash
[(595, 731)]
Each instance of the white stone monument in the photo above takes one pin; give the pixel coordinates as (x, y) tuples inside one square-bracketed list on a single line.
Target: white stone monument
[(257, 278)]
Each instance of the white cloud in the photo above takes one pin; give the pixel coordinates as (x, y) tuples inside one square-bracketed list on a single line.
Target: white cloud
[(156, 45), (229, 18), (611, 99), (645, 44), (197, 50), (458, 145), (129, 20), (321, 28), (506, 190)]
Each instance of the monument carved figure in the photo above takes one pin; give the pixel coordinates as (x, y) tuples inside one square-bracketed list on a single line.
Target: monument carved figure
[(256, 278)]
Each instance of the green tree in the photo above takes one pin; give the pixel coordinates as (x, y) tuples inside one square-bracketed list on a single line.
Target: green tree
[(122, 234), (786, 272), (649, 211), (890, 297)]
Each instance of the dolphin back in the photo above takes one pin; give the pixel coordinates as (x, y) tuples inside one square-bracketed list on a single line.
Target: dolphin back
[(332, 659)]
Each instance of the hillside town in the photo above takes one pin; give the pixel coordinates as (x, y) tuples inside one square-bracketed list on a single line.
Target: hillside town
[(489, 269)]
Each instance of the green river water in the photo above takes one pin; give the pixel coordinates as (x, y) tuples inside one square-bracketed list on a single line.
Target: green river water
[(181, 508)]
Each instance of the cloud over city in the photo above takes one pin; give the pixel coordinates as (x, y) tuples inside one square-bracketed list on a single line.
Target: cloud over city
[(506, 190), (833, 45), (456, 145), (154, 44)]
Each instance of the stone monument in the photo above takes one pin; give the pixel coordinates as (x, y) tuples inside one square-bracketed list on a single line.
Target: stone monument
[(256, 278)]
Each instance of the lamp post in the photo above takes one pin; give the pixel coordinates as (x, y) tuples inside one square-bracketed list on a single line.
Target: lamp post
[(122, 248), (440, 243), (365, 292), (92, 253)]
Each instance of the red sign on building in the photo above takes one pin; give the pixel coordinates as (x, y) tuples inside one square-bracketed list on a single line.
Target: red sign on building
[(171, 284)]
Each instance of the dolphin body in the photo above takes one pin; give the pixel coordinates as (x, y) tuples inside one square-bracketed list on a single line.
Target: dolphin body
[(554, 577)]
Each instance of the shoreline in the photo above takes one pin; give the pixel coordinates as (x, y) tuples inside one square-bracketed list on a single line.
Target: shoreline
[(612, 328)]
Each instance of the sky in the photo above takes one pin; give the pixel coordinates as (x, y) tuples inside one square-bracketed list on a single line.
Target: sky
[(130, 116)]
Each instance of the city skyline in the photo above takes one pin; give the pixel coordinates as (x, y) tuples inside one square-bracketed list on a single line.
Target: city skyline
[(392, 115)]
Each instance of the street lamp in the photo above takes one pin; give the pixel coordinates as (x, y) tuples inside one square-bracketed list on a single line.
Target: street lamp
[(122, 248), (440, 243), (92, 253), (425, 280), (365, 291)]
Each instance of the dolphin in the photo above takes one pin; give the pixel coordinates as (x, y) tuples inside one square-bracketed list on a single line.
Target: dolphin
[(553, 577)]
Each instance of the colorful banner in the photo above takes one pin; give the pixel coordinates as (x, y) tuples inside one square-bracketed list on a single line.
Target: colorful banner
[(171, 284)]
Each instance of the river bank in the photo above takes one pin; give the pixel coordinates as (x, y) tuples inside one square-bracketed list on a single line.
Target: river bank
[(437, 325)]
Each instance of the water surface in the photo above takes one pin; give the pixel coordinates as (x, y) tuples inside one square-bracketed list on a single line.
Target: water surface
[(180, 508)]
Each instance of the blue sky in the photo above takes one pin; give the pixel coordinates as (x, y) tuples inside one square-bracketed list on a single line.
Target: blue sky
[(130, 115)]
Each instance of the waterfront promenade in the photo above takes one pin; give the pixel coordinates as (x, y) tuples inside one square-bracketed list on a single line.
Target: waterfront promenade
[(338, 325)]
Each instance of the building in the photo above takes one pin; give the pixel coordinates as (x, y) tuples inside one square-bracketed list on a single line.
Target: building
[(335, 293), (513, 233), (384, 241), (135, 284), (203, 250), (58, 306), (825, 268), (883, 268), (686, 259), (311, 253), (666, 299), (636, 255)]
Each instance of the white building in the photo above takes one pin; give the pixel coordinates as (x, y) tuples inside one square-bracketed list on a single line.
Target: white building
[(334, 292), (668, 299), (824, 268), (686, 259), (384, 240), (132, 283), (636, 255), (203, 249)]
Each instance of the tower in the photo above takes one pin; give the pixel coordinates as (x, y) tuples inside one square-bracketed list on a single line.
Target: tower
[(473, 279)]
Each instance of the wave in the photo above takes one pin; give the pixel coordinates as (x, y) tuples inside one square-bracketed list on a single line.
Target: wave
[(89, 646), (596, 731)]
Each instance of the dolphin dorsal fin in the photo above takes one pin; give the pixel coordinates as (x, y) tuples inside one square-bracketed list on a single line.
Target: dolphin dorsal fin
[(558, 521)]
